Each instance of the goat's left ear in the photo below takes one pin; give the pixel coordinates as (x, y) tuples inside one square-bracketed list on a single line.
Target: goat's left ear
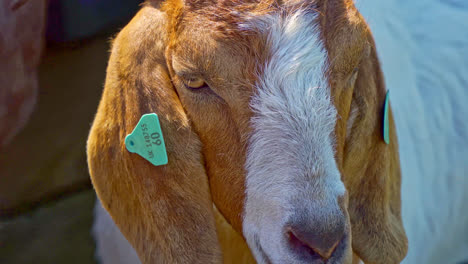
[(371, 170)]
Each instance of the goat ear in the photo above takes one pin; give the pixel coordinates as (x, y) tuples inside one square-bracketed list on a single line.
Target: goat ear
[(372, 171), (164, 211)]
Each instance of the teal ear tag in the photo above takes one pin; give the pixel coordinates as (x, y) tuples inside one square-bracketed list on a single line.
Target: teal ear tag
[(147, 140), (386, 123)]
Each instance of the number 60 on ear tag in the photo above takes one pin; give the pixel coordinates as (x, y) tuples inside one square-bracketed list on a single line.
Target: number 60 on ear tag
[(147, 140)]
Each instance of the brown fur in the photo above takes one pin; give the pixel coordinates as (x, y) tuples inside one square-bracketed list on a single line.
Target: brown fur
[(370, 168), (166, 211)]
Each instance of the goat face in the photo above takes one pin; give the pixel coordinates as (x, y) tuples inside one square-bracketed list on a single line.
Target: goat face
[(285, 100)]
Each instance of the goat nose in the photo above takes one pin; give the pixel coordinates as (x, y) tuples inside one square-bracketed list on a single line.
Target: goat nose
[(318, 242)]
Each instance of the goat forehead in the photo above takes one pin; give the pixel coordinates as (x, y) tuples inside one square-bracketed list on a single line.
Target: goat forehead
[(293, 95), (294, 117), (290, 164)]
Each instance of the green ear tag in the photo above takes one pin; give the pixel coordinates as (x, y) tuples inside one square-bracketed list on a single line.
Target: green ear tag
[(147, 140), (386, 125)]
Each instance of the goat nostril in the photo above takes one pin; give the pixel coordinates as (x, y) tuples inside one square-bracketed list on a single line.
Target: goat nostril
[(306, 244), (297, 244)]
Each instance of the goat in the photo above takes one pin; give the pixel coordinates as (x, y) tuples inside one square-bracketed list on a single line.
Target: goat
[(272, 111)]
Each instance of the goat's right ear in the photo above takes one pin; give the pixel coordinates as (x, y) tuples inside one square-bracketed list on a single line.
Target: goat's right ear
[(166, 211)]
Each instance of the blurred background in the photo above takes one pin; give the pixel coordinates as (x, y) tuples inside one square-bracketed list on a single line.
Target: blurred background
[(53, 56)]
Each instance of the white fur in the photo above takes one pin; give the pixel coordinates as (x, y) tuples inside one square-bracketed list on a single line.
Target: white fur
[(290, 160), (423, 47)]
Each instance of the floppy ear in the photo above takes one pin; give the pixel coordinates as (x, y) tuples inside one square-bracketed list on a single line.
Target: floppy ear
[(372, 170), (164, 211)]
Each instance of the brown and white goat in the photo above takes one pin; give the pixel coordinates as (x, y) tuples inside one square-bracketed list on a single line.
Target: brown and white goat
[(271, 110)]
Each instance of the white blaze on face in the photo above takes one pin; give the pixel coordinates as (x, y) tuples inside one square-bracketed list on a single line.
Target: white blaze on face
[(290, 161)]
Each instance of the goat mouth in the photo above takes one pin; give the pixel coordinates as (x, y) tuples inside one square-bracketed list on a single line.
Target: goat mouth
[(338, 255), (305, 257)]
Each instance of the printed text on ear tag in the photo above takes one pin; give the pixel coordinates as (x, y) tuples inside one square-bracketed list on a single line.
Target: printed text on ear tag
[(386, 124), (147, 140)]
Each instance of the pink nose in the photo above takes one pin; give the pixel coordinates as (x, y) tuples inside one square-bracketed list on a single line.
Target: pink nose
[(316, 242)]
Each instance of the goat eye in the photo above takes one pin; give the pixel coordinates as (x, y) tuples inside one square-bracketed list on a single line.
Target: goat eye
[(195, 83)]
